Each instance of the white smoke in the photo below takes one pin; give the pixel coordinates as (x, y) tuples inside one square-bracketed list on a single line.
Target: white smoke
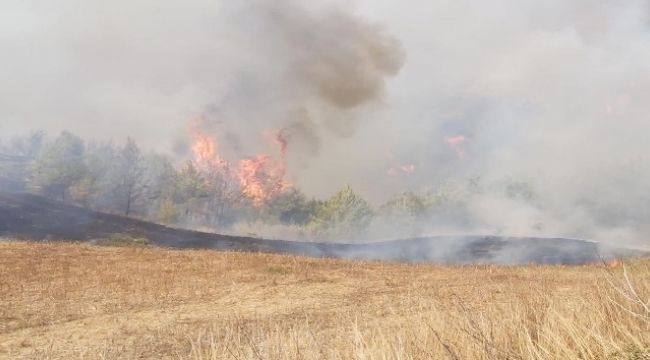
[(552, 94)]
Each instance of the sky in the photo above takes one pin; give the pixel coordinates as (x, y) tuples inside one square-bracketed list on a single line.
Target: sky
[(553, 94)]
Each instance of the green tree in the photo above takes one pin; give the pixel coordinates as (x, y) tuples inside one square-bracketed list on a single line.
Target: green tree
[(223, 199), (190, 189), (414, 213), (160, 176), (60, 165), (100, 160), (129, 172), (293, 207), (167, 212), (343, 216), (408, 204)]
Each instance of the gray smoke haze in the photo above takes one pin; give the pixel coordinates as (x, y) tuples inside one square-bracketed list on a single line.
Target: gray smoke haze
[(307, 70), (551, 95)]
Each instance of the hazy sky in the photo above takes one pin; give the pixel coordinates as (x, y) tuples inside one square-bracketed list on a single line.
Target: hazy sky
[(552, 92)]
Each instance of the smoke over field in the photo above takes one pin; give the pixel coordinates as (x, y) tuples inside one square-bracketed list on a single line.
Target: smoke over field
[(444, 117)]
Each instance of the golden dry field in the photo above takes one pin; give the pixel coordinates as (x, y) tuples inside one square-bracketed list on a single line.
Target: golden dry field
[(71, 301)]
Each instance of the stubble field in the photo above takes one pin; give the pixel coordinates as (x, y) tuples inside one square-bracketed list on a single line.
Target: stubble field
[(72, 301)]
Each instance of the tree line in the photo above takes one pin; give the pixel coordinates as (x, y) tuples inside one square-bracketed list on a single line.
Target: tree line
[(125, 180)]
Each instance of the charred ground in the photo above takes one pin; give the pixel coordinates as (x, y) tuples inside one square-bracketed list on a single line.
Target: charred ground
[(33, 217)]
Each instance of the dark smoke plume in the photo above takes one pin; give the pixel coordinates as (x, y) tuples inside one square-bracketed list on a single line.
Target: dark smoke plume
[(307, 70)]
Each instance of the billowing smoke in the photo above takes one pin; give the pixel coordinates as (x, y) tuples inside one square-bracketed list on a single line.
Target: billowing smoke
[(306, 70), (549, 101), (534, 113)]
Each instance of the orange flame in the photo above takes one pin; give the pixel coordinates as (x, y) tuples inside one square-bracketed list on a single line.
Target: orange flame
[(402, 169), (261, 177), (457, 143), (409, 168), (396, 170), (205, 147)]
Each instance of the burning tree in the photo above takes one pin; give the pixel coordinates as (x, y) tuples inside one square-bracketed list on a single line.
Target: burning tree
[(215, 187), (259, 178), (262, 177)]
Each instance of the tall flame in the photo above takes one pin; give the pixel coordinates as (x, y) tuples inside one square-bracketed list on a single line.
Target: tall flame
[(205, 147), (261, 177)]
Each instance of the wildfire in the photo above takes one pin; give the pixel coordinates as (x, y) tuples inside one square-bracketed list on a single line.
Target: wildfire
[(409, 168), (457, 143), (401, 169), (260, 177), (398, 169), (205, 147)]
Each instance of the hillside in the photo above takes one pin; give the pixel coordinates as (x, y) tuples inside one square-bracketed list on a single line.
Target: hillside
[(33, 217), (72, 301)]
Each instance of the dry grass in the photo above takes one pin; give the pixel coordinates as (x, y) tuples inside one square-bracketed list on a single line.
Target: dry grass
[(82, 302)]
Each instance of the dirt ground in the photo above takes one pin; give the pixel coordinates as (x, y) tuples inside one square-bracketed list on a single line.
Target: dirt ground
[(72, 301)]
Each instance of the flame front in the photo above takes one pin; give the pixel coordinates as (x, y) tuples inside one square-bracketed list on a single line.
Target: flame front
[(261, 177), (205, 148)]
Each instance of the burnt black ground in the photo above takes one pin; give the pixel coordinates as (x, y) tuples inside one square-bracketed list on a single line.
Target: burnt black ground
[(32, 217)]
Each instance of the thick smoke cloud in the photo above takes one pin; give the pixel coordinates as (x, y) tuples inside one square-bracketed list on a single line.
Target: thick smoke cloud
[(549, 96), (306, 70)]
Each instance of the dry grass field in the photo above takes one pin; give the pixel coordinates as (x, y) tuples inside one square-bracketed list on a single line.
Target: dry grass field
[(70, 301)]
